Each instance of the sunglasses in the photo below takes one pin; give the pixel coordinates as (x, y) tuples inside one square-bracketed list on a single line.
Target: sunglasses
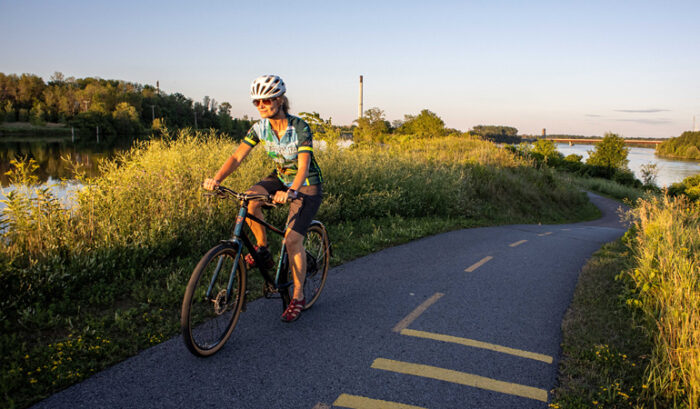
[(259, 102)]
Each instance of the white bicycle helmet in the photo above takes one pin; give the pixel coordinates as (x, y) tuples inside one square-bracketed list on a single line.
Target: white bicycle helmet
[(267, 86)]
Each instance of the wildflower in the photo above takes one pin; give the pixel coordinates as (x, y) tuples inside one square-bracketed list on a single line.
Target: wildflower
[(33, 381)]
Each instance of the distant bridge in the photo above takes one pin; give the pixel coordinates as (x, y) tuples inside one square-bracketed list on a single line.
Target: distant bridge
[(647, 142)]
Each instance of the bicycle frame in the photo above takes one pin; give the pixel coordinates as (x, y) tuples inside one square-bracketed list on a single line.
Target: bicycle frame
[(240, 238)]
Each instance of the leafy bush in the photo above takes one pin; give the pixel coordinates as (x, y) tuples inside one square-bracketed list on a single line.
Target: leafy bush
[(609, 153), (690, 187)]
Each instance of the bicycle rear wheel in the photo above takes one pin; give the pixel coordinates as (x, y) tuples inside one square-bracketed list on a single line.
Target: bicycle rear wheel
[(209, 310), (317, 246)]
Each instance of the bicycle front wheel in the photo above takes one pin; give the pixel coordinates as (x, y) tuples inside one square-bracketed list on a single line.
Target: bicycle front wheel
[(213, 300), (317, 246)]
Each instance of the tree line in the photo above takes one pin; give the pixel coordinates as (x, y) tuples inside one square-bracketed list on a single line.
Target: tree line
[(122, 109), (686, 146), (119, 108), (373, 127)]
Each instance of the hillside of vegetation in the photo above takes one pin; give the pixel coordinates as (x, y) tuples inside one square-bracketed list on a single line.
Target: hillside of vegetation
[(686, 146), (83, 288)]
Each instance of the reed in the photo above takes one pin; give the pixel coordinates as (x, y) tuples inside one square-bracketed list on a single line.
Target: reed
[(666, 287)]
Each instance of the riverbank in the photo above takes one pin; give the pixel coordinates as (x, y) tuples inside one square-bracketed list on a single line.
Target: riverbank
[(668, 171), (10, 131), (686, 146)]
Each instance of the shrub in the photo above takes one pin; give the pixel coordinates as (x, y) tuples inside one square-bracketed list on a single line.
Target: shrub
[(689, 187)]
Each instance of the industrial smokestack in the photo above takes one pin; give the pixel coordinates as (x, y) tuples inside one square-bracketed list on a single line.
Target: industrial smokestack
[(359, 112)]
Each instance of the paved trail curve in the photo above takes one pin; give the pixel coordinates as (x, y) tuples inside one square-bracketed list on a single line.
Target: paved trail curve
[(466, 319)]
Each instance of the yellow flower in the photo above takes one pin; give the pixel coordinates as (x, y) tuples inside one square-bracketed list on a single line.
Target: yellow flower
[(33, 381)]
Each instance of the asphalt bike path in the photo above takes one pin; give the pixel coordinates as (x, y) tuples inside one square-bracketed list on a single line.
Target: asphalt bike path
[(465, 319)]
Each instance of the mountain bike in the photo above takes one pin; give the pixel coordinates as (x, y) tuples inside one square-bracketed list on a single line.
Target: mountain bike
[(216, 293)]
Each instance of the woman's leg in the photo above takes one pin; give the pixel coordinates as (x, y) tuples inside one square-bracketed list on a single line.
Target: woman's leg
[(268, 186), (301, 212), (297, 261), (255, 208)]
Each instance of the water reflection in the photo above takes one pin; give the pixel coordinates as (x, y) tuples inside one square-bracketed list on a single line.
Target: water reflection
[(56, 159)]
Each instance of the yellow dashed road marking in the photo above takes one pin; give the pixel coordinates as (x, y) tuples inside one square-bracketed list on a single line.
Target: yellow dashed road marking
[(545, 234), (478, 264), (517, 243), (478, 344), (418, 311), (359, 402), (461, 378)]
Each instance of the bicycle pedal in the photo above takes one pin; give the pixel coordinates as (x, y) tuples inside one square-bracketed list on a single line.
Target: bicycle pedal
[(270, 292)]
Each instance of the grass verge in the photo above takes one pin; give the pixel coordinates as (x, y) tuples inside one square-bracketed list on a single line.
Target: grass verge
[(631, 337), (604, 353)]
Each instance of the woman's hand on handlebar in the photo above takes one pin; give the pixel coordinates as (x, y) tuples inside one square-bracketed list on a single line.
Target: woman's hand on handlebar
[(284, 196), (210, 184)]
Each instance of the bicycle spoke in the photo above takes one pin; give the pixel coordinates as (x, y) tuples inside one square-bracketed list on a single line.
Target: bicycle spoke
[(211, 311)]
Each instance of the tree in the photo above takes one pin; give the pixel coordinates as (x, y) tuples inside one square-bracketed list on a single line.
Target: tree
[(546, 148), (497, 133), (609, 153), (29, 88), (649, 173), (57, 78), (372, 127), (322, 129), (425, 125), (223, 117), (37, 115), (126, 120)]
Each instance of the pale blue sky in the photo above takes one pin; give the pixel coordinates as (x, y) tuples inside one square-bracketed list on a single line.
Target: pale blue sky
[(584, 67)]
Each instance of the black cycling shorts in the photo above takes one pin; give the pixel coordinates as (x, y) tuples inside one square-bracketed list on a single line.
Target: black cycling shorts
[(302, 210)]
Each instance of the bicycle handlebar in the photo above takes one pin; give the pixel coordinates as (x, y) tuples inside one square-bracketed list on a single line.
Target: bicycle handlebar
[(223, 191)]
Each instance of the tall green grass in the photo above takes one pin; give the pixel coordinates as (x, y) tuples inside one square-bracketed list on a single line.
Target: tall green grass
[(666, 288), (103, 278), (607, 187), (632, 335)]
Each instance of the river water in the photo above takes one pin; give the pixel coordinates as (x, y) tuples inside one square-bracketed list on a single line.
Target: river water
[(669, 170)]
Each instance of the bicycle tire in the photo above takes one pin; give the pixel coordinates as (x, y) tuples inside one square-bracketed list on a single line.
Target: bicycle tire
[(207, 321), (317, 246)]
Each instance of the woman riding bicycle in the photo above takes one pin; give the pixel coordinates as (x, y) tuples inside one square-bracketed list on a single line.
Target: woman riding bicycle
[(297, 178)]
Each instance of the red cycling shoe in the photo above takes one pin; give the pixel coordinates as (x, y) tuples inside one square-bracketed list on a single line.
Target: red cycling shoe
[(264, 254), (293, 310)]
